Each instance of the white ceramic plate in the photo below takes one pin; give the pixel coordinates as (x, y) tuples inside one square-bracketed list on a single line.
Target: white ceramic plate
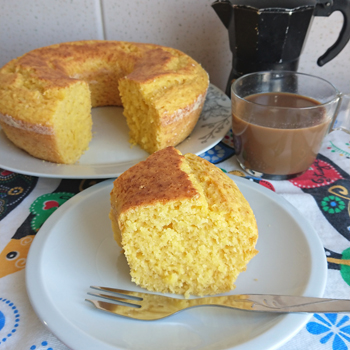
[(75, 249), (110, 152)]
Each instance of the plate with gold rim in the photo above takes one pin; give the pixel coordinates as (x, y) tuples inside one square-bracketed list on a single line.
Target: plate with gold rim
[(74, 249), (110, 152)]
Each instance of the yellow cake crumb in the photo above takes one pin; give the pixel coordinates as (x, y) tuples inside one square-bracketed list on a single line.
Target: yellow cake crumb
[(183, 224)]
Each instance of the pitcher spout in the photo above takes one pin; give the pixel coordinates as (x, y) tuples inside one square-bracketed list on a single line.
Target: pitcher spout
[(223, 9)]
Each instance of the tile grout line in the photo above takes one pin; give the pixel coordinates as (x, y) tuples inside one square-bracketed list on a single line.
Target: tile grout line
[(101, 24)]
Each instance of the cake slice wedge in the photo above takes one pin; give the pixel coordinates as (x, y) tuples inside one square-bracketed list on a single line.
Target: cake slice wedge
[(183, 224)]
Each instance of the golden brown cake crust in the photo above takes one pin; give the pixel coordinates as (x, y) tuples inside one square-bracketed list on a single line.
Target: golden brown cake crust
[(28, 139), (153, 66), (144, 184), (55, 63)]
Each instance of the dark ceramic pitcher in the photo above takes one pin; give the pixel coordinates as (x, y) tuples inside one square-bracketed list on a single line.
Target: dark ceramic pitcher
[(270, 34)]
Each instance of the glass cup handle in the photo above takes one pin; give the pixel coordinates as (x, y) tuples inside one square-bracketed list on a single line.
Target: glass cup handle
[(341, 120)]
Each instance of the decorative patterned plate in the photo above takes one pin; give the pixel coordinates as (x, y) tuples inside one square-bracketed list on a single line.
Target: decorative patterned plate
[(110, 152)]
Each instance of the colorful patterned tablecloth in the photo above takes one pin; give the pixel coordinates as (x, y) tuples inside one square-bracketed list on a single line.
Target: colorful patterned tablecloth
[(322, 195)]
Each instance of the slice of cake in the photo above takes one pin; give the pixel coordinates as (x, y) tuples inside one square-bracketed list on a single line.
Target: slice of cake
[(184, 226), (162, 98)]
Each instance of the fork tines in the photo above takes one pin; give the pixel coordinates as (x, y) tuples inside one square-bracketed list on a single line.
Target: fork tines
[(118, 295), (141, 306)]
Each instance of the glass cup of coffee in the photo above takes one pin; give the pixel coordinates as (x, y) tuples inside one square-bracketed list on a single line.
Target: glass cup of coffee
[(279, 119)]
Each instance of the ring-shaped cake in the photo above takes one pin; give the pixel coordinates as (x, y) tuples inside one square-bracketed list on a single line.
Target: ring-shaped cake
[(47, 94)]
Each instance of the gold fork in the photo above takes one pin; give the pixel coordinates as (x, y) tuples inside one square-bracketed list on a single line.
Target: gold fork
[(147, 306)]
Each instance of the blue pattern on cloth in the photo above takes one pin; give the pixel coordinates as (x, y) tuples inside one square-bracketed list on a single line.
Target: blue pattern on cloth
[(218, 153), (334, 329), (43, 346), (9, 319)]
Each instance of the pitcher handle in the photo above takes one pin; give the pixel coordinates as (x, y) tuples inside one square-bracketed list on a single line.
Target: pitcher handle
[(341, 120), (326, 8)]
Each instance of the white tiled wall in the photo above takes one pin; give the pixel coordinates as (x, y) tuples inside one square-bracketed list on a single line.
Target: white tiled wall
[(26, 25), (189, 25), (324, 33)]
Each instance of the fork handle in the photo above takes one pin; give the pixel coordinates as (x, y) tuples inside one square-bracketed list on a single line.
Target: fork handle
[(276, 303)]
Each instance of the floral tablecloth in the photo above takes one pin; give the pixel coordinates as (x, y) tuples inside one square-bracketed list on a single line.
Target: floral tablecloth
[(322, 195)]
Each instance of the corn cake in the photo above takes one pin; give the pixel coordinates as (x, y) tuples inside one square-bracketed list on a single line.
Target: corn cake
[(46, 95), (183, 224)]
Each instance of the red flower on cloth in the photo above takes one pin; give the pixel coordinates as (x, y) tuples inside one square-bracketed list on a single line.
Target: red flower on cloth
[(267, 184), (319, 174), (5, 172)]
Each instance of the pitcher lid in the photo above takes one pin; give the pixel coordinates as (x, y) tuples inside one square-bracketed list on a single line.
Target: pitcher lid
[(274, 5)]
